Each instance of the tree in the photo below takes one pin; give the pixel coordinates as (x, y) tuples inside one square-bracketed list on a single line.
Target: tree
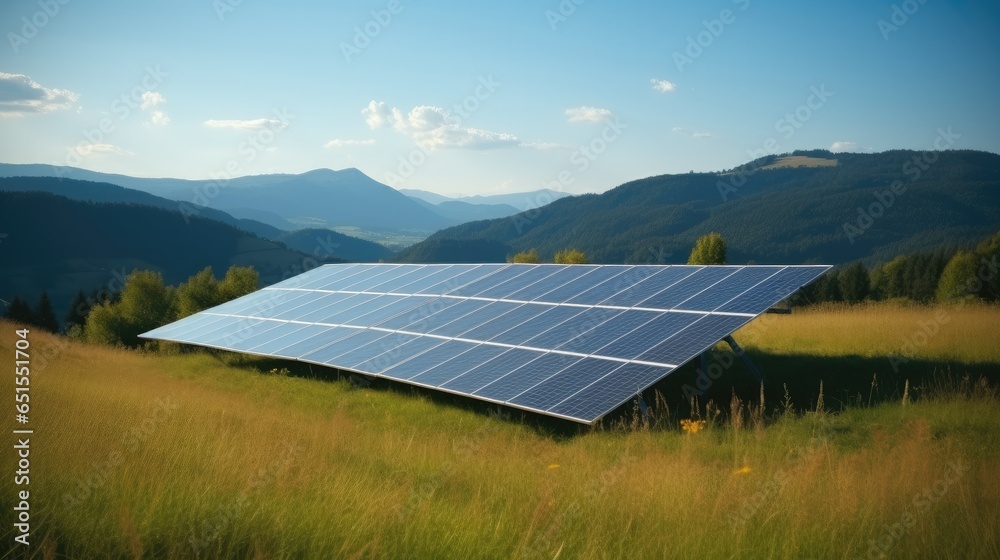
[(854, 283), (571, 256), (146, 303), (958, 281), (19, 311), (200, 292), (709, 249), (44, 316), (526, 257), (239, 281), (989, 267), (78, 310), (105, 325)]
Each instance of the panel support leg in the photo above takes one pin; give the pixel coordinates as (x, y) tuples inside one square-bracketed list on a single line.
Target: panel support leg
[(743, 356), (644, 409)]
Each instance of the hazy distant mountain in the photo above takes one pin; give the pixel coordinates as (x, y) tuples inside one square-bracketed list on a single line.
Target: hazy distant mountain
[(263, 216), (829, 208), (521, 201), (321, 198), (465, 212), (324, 243)]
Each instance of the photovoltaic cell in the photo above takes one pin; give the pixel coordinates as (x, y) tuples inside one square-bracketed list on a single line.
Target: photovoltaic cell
[(490, 371), (414, 366), (573, 341), (691, 286), (446, 371)]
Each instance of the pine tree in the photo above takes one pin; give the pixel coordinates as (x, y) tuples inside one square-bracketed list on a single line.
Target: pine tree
[(78, 310), (19, 311), (44, 316), (854, 283)]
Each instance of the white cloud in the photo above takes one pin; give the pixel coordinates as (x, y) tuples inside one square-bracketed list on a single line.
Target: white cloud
[(20, 96), (542, 145), (435, 128), (159, 118), (588, 114), (341, 143), (90, 150), (248, 125), (663, 86), (845, 146), (151, 99), (691, 133)]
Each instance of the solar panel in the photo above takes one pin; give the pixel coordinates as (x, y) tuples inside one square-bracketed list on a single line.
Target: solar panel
[(571, 341)]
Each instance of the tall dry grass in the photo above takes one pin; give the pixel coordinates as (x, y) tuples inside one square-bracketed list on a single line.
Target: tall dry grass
[(184, 456)]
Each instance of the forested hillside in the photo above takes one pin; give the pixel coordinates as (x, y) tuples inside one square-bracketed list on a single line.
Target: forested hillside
[(867, 207), (60, 245)]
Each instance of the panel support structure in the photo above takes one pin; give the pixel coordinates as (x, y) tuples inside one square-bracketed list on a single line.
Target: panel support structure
[(743, 356)]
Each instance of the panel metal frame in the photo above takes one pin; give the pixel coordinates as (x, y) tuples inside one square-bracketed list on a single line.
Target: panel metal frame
[(617, 290)]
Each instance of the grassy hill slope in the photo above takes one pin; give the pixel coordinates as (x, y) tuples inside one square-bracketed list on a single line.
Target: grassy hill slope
[(208, 455)]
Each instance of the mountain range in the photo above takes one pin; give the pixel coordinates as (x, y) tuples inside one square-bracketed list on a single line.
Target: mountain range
[(322, 198), (53, 243), (804, 207)]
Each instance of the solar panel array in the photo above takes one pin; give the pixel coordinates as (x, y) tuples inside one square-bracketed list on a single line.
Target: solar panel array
[(572, 341)]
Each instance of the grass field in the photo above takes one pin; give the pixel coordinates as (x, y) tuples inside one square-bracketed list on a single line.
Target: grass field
[(209, 455)]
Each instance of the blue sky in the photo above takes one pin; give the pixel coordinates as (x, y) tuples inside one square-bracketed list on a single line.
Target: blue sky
[(484, 98)]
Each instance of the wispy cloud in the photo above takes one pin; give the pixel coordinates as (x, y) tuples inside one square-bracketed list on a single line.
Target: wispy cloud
[(845, 146), (342, 143), (588, 115), (90, 150), (434, 128), (663, 86), (246, 125), (691, 133), (20, 96), (543, 145)]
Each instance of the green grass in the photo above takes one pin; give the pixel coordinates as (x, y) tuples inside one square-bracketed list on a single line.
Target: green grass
[(201, 455)]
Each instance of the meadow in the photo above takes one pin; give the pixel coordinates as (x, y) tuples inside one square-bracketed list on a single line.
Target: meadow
[(213, 455)]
